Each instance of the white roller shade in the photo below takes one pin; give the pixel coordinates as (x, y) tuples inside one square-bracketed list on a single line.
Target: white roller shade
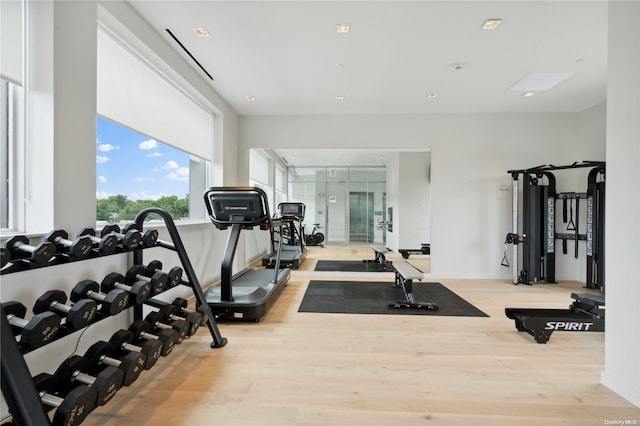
[(134, 94), (281, 179), (11, 40), (258, 168)]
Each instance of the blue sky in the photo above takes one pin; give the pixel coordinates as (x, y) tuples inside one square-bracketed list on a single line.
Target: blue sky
[(137, 166)]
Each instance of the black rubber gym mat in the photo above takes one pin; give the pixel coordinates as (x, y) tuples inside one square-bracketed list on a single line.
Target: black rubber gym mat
[(350, 266), (361, 297)]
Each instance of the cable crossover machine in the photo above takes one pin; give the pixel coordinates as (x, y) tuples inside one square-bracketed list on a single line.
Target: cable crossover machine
[(538, 240), (539, 234)]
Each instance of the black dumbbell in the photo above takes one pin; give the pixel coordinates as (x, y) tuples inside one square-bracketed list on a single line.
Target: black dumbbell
[(79, 249), (5, 256), (140, 290), (142, 331), (159, 281), (148, 238), (203, 310), (107, 244), (193, 319), (73, 408), (174, 274), (158, 321), (106, 383), (111, 303), (78, 315), (37, 331), (130, 240), (41, 254), (101, 353), (151, 349)]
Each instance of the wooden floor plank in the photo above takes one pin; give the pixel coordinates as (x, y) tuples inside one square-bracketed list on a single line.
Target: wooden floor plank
[(336, 369)]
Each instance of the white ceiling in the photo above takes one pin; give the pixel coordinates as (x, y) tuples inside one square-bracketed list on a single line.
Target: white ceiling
[(288, 55)]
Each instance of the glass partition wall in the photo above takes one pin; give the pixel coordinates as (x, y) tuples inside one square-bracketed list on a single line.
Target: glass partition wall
[(347, 203)]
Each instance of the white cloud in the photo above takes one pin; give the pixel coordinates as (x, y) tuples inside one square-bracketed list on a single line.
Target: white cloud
[(154, 154), (148, 144), (106, 147), (171, 165), (101, 195), (145, 195), (144, 179), (102, 179), (101, 159), (181, 174)]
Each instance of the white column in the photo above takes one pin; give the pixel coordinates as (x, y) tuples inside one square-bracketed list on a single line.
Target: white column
[(622, 337)]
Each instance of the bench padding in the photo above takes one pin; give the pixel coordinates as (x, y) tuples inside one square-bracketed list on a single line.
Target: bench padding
[(407, 270), (379, 249)]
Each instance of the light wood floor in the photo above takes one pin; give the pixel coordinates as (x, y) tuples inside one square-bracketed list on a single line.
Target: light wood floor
[(332, 369)]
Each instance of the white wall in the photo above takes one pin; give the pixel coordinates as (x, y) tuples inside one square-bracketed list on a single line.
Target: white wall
[(470, 156), (393, 198), (412, 215), (622, 338)]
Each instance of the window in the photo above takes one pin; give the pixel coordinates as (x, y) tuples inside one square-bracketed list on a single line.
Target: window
[(259, 176), (281, 184), (154, 141), (4, 154), (11, 70), (134, 172)]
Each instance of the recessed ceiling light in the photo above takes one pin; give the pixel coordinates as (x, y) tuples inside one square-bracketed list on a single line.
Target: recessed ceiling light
[(528, 94), (250, 98), (201, 31), (340, 97), (343, 28), (491, 24), (432, 95)]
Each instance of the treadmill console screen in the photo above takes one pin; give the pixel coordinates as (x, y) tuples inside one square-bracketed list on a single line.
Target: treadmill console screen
[(291, 209), (237, 207)]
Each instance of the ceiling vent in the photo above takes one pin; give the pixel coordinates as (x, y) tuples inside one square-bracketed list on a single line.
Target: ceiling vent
[(188, 53), (540, 81)]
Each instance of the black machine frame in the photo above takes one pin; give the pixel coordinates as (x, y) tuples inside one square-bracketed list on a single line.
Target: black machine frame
[(293, 252), (243, 208), (585, 314), (538, 237)]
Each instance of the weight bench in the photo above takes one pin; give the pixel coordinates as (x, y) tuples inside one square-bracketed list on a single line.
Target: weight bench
[(405, 274), (379, 256), (589, 304), (425, 248)]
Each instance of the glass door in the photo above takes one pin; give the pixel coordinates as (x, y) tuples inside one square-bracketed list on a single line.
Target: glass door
[(360, 217)]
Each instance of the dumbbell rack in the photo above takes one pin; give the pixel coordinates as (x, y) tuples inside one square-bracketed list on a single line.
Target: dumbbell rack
[(18, 388)]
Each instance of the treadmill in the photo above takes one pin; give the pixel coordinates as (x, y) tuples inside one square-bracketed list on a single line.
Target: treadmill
[(247, 295), (292, 252)]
